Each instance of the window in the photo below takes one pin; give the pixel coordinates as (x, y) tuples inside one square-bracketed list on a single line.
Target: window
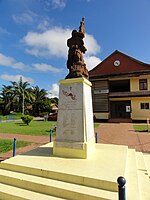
[(143, 84), (119, 85), (145, 106)]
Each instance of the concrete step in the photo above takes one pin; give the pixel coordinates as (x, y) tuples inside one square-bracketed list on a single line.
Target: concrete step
[(100, 171), (54, 187), (144, 182), (147, 162), (93, 179), (8, 192), (132, 182)]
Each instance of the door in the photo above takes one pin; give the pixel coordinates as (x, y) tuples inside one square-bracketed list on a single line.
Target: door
[(120, 109)]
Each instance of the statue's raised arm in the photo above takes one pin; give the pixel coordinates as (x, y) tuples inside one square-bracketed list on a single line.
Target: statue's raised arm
[(75, 62), (81, 27)]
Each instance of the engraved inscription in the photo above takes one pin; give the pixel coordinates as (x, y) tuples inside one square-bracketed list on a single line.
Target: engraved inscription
[(69, 94)]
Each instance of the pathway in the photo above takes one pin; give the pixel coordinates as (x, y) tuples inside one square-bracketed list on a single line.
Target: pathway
[(123, 134)]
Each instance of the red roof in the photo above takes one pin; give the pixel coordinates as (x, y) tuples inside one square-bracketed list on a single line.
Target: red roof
[(127, 65)]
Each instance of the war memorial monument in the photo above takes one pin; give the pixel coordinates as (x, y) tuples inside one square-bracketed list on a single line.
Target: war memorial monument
[(75, 130), (73, 166)]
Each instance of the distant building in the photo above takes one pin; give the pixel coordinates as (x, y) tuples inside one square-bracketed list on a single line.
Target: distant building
[(121, 88)]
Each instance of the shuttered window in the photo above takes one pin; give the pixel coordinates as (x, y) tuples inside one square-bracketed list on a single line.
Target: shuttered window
[(144, 106), (143, 84)]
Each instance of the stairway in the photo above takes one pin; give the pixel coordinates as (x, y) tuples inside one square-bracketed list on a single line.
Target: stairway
[(39, 175), (119, 120)]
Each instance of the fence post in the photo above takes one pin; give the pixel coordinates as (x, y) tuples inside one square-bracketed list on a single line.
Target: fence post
[(121, 188), (14, 147), (96, 137), (50, 135)]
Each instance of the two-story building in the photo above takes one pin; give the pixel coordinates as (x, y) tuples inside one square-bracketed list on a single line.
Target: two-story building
[(121, 88)]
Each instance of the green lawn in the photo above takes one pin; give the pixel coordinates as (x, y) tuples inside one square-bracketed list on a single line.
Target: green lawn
[(96, 125), (34, 128), (7, 145), (140, 127), (12, 116)]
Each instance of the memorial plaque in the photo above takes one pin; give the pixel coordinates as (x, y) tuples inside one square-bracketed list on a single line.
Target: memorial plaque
[(70, 126), (70, 97)]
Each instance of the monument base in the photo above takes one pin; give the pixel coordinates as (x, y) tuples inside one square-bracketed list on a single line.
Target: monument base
[(75, 129), (74, 150)]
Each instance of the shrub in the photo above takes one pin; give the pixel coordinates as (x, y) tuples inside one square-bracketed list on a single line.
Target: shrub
[(27, 119)]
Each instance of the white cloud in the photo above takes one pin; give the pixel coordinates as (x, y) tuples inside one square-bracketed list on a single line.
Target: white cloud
[(37, 52), (58, 3), (45, 68), (16, 78), (91, 44), (53, 42), (11, 62), (91, 61), (43, 25), (54, 91), (24, 18)]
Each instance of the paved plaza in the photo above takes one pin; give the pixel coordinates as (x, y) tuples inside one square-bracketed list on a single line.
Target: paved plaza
[(123, 134)]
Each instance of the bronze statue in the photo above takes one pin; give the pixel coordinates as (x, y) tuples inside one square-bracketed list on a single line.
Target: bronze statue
[(75, 62)]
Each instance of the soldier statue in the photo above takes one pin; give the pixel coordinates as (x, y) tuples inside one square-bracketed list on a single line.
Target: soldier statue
[(75, 62)]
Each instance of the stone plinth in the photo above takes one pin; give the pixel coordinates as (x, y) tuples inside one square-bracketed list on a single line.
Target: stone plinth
[(75, 129)]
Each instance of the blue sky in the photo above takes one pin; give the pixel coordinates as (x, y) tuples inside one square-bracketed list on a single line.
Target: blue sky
[(33, 35)]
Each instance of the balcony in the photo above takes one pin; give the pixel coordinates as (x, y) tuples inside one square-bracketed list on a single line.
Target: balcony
[(129, 94)]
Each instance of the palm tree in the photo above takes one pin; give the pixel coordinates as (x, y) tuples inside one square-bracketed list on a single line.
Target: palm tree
[(7, 97), (41, 102), (22, 94)]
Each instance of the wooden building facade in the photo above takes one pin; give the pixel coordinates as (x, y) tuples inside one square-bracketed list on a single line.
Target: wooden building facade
[(121, 88)]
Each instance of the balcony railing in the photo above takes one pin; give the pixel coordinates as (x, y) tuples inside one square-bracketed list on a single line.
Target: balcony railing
[(129, 94)]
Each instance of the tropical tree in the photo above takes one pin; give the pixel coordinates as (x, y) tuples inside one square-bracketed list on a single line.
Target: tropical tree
[(29, 100), (7, 98), (41, 102), (22, 95)]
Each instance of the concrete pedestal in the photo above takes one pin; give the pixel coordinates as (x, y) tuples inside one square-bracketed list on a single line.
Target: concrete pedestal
[(75, 130)]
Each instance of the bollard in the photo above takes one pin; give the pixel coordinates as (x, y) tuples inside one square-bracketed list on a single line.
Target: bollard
[(147, 124), (14, 147), (96, 136), (121, 188), (51, 135)]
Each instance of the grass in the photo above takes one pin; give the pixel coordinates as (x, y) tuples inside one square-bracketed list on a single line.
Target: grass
[(7, 145), (96, 125), (37, 128), (140, 128), (11, 116)]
